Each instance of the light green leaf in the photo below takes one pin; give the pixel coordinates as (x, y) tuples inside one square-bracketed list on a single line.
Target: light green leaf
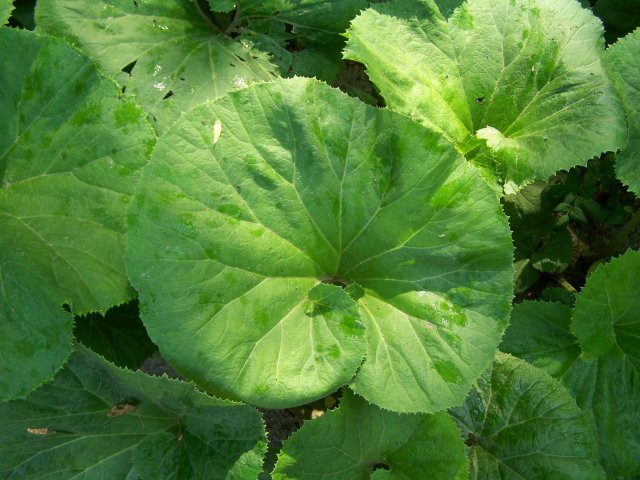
[(229, 242), (181, 59), (6, 7), (523, 75), (361, 441), (521, 423), (606, 311), (99, 421), (623, 60), (70, 152), (607, 388)]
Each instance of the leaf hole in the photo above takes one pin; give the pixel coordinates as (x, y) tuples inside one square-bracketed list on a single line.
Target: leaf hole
[(135, 4), (169, 94), (471, 440), (129, 68), (380, 466), (480, 100)]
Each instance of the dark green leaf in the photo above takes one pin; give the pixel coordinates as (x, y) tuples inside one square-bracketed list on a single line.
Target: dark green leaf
[(361, 441), (119, 335), (99, 421), (608, 387), (555, 254), (520, 423)]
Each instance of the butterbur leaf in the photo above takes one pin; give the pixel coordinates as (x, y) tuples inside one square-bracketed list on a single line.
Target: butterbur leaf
[(623, 62), (180, 59), (607, 388), (519, 422), (6, 7), (360, 441), (96, 420), (606, 311), (70, 152), (241, 249), (518, 84)]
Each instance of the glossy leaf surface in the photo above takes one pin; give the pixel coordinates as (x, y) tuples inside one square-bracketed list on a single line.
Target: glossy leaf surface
[(607, 388), (239, 250), (359, 441), (522, 423), (70, 152), (623, 60), (99, 421), (525, 76)]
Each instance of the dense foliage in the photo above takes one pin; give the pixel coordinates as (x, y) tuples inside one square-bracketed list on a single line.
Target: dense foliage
[(446, 248)]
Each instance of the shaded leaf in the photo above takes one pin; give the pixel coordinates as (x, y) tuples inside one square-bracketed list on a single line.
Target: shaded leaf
[(556, 253), (620, 17), (119, 335), (518, 85), (69, 159), (308, 186), (522, 423), (99, 421), (361, 441), (607, 388)]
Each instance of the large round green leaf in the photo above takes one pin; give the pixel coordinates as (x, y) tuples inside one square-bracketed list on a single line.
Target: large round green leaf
[(359, 441), (70, 151), (607, 388), (520, 423), (606, 312), (524, 75), (180, 58), (255, 210), (623, 61), (98, 421)]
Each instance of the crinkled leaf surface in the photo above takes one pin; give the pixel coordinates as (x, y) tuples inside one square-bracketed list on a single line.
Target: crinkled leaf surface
[(228, 242), (181, 60), (623, 60), (521, 423), (606, 311), (351, 441), (524, 75), (608, 387), (96, 420), (70, 151)]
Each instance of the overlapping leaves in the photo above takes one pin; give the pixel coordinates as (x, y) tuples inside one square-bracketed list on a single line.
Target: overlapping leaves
[(70, 151), (99, 421), (258, 207), (521, 423), (361, 441), (525, 76), (176, 56)]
